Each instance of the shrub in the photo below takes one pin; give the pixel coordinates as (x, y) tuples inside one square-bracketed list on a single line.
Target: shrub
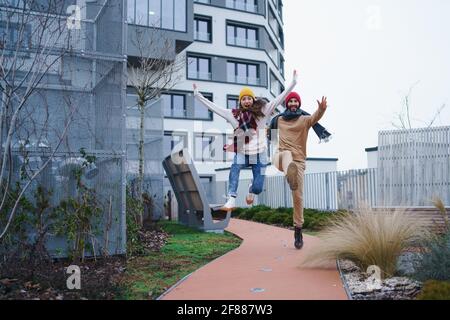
[(317, 220), (288, 222), (247, 215), (435, 290), (134, 209), (237, 212), (285, 210), (262, 216), (278, 218), (258, 208), (366, 238), (434, 264)]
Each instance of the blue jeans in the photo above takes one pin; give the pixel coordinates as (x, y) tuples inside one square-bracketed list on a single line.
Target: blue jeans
[(257, 162)]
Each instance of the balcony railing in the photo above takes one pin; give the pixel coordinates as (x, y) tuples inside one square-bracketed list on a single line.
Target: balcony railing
[(243, 42), (239, 5), (202, 36), (200, 75), (244, 80)]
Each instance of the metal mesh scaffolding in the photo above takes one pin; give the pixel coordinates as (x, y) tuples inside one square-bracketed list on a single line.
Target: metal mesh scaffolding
[(79, 103), (153, 155)]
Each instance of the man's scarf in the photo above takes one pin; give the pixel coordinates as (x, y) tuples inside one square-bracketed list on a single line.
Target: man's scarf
[(246, 121), (289, 115)]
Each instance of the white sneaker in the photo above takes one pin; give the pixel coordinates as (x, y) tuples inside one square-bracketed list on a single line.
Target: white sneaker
[(230, 205), (250, 196)]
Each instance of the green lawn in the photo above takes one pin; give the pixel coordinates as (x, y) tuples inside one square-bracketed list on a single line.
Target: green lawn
[(187, 250)]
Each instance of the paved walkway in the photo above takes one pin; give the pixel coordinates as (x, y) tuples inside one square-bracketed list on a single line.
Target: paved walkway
[(265, 266)]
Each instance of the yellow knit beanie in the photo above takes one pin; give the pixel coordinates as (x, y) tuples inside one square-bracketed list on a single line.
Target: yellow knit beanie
[(246, 92)]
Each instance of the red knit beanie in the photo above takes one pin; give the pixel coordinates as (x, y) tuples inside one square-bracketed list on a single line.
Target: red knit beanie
[(292, 95)]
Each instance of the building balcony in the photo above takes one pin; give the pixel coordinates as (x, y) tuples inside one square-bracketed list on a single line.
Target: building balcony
[(244, 80), (202, 36), (243, 42), (239, 5), (200, 75)]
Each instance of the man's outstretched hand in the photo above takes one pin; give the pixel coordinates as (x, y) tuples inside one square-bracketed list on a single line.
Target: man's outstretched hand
[(322, 105)]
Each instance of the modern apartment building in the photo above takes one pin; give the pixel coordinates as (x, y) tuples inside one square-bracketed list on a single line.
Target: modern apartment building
[(236, 43), (225, 45)]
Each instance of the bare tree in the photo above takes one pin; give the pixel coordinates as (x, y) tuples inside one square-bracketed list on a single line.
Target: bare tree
[(34, 36), (155, 70), (405, 117)]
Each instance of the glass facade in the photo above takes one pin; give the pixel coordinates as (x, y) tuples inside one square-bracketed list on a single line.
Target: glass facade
[(244, 5), (183, 105), (200, 111), (242, 36), (202, 29), (174, 105), (232, 102), (244, 73), (199, 68), (165, 14)]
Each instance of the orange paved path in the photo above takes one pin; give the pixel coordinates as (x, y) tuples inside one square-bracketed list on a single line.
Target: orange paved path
[(265, 260)]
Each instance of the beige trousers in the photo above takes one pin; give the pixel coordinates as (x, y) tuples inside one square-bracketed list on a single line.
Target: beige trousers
[(281, 161)]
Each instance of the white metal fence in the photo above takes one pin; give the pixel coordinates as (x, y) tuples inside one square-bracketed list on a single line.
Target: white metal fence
[(323, 191), (414, 166)]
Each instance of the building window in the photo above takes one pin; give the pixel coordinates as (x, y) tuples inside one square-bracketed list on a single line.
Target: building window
[(243, 73), (238, 35), (203, 1), (280, 9), (232, 102), (281, 37), (165, 14), (276, 27), (202, 29), (182, 105), (142, 12), (200, 111), (273, 51), (209, 147), (282, 65), (13, 33), (174, 141), (274, 84), (244, 5), (174, 105), (199, 68)]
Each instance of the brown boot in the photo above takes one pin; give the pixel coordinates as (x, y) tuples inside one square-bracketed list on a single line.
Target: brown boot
[(298, 238)]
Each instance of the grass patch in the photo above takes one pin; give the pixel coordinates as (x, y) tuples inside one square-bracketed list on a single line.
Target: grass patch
[(187, 250)]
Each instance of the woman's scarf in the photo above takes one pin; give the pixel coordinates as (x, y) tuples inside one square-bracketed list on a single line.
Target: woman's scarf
[(246, 121), (289, 115)]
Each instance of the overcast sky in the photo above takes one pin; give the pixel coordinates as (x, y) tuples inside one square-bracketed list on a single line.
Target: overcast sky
[(364, 56)]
